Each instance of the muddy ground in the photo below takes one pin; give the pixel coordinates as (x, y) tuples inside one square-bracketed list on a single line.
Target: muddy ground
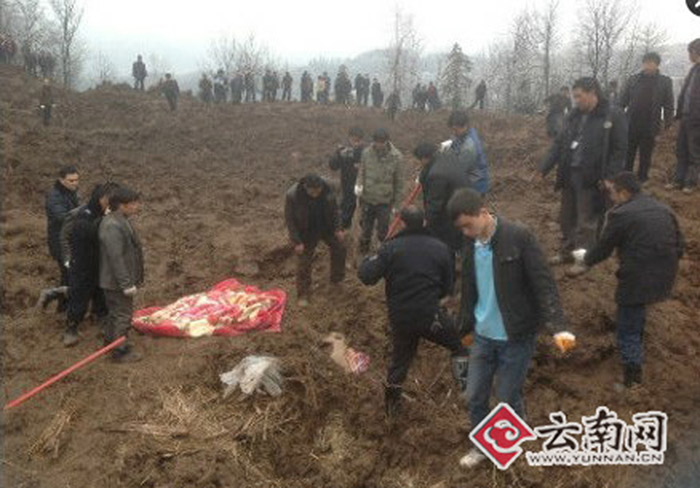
[(213, 181)]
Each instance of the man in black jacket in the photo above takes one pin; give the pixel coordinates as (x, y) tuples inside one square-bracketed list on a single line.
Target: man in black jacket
[(311, 214), (62, 198), (346, 159), (508, 293), (688, 143), (418, 271), (590, 150), (440, 177), (649, 244), (83, 270), (644, 97)]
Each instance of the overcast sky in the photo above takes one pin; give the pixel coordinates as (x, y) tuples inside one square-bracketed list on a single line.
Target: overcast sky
[(299, 30)]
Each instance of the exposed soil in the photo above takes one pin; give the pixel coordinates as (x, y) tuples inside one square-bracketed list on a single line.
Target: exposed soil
[(213, 182)]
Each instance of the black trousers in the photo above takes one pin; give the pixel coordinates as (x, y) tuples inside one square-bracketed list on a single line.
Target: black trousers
[(688, 154), (582, 210), (347, 208), (84, 291), (642, 141), (172, 102), (305, 260), (371, 214), (405, 336)]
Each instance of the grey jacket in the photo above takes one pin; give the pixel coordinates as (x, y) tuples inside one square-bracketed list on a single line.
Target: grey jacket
[(121, 254)]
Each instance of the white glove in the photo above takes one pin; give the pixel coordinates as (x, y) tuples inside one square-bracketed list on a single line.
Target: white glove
[(579, 255), (130, 292), (358, 190), (66, 265)]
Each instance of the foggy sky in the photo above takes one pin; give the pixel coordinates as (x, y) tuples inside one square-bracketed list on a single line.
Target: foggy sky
[(299, 30)]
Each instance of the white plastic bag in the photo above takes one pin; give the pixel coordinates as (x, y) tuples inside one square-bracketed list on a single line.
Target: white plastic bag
[(254, 373)]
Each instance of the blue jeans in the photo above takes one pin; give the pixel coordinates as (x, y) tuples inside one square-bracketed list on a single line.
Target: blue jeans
[(630, 332), (508, 362)]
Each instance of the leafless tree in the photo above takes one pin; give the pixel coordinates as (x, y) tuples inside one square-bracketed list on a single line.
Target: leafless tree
[(223, 54), (157, 66), (103, 69), (252, 56), (602, 25), (32, 24), (68, 14), (548, 39), (404, 52)]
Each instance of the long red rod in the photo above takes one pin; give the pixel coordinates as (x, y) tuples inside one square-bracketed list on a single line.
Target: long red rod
[(409, 200), (63, 374)]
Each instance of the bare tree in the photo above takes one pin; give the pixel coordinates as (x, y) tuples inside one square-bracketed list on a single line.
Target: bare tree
[(222, 54), (602, 26), (32, 24), (547, 34), (454, 79), (68, 15), (404, 52), (252, 56), (103, 69), (653, 37), (157, 67)]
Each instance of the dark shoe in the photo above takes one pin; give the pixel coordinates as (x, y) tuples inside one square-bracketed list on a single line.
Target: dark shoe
[(392, 401), (128, 356), (632, 375)]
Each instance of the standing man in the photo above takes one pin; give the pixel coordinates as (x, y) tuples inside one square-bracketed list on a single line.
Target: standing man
[(440, 178), (559, 105), (249, 81), (346, 159), (171, 90), (138, 71), (644, 97), (590, 150), (287, 87), (393, 105), (649, 244), (46, 101), (480, 98), (377, 94), (418, 271), (237, 88), (311, 214), (84, 261), (205, 89), (508, 293), (121, 269), (466, 149), (688, 143), (380, 187), (62, 198)]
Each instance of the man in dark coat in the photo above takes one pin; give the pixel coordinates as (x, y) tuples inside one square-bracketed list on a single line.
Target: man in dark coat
[(418, 271), (377, 94), (62, 198), (311, 215), (591, 149), (508, 293), (480, 97), (138, 71), (559, 105), (287, 87), (645, 96), (121, 269), (649, 244), (171, 90), (346, 159), (688, 143), (237, 88), (83, 270)]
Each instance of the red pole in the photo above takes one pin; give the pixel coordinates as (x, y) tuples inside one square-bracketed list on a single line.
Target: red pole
[(63, 374), (407, 201)]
